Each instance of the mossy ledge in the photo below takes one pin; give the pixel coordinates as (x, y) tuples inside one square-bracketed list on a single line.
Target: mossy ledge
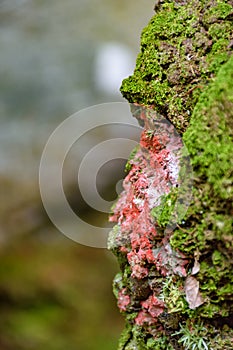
[(185, 72), (182, 49)]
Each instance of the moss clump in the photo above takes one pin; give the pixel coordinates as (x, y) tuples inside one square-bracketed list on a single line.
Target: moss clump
[(182, 49), (174, 296), (136, 340), (221, 10), (209, 220), (162, 213)]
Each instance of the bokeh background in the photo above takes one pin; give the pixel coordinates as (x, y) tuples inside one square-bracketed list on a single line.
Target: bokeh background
[(57, 57)]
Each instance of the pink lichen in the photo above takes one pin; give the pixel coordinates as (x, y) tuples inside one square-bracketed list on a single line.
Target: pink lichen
[(151, 309), (154, 172), (154, 306), (139, 271), (123, 299), (144, 317), (136, 261)]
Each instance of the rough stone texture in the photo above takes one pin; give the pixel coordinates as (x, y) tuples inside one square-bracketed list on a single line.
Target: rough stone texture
[(175, 284)]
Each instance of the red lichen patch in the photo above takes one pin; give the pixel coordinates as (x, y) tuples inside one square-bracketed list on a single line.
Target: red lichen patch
[(139, 271), (154, 173), (123, 299), (144, 317), (154, 306), (151, 309), (151, 143)]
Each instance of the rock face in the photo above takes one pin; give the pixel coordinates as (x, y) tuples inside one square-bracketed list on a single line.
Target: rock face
[(175, 284)]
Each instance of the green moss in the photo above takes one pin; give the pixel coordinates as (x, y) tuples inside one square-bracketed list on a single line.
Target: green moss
[(161, 343), (209, 141), (220, 31), (163, 212), (173, 295), (209, 137), (125, 337), (220, 11), (128, 165), (138, 341), (135, 339), (179, 56)]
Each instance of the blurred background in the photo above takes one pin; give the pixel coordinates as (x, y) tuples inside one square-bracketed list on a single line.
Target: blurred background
[(57, 57)]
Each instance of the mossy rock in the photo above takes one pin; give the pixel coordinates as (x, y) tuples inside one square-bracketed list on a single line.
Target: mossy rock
[(184, 71), (182, 49)]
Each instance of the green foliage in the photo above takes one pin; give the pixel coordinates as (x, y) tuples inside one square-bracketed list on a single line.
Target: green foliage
[(173, 295), (136, 340), (220, 11), (161, 343), (193, 337), (163, 212), (125, 337)]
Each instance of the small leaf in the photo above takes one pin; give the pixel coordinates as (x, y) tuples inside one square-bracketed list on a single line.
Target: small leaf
[(196, 267), (192, 293)]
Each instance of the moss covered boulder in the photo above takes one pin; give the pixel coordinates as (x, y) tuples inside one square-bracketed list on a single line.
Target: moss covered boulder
[(175, 286)]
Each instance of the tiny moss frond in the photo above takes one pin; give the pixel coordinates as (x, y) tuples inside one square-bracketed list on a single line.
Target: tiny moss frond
[(128, 165)]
